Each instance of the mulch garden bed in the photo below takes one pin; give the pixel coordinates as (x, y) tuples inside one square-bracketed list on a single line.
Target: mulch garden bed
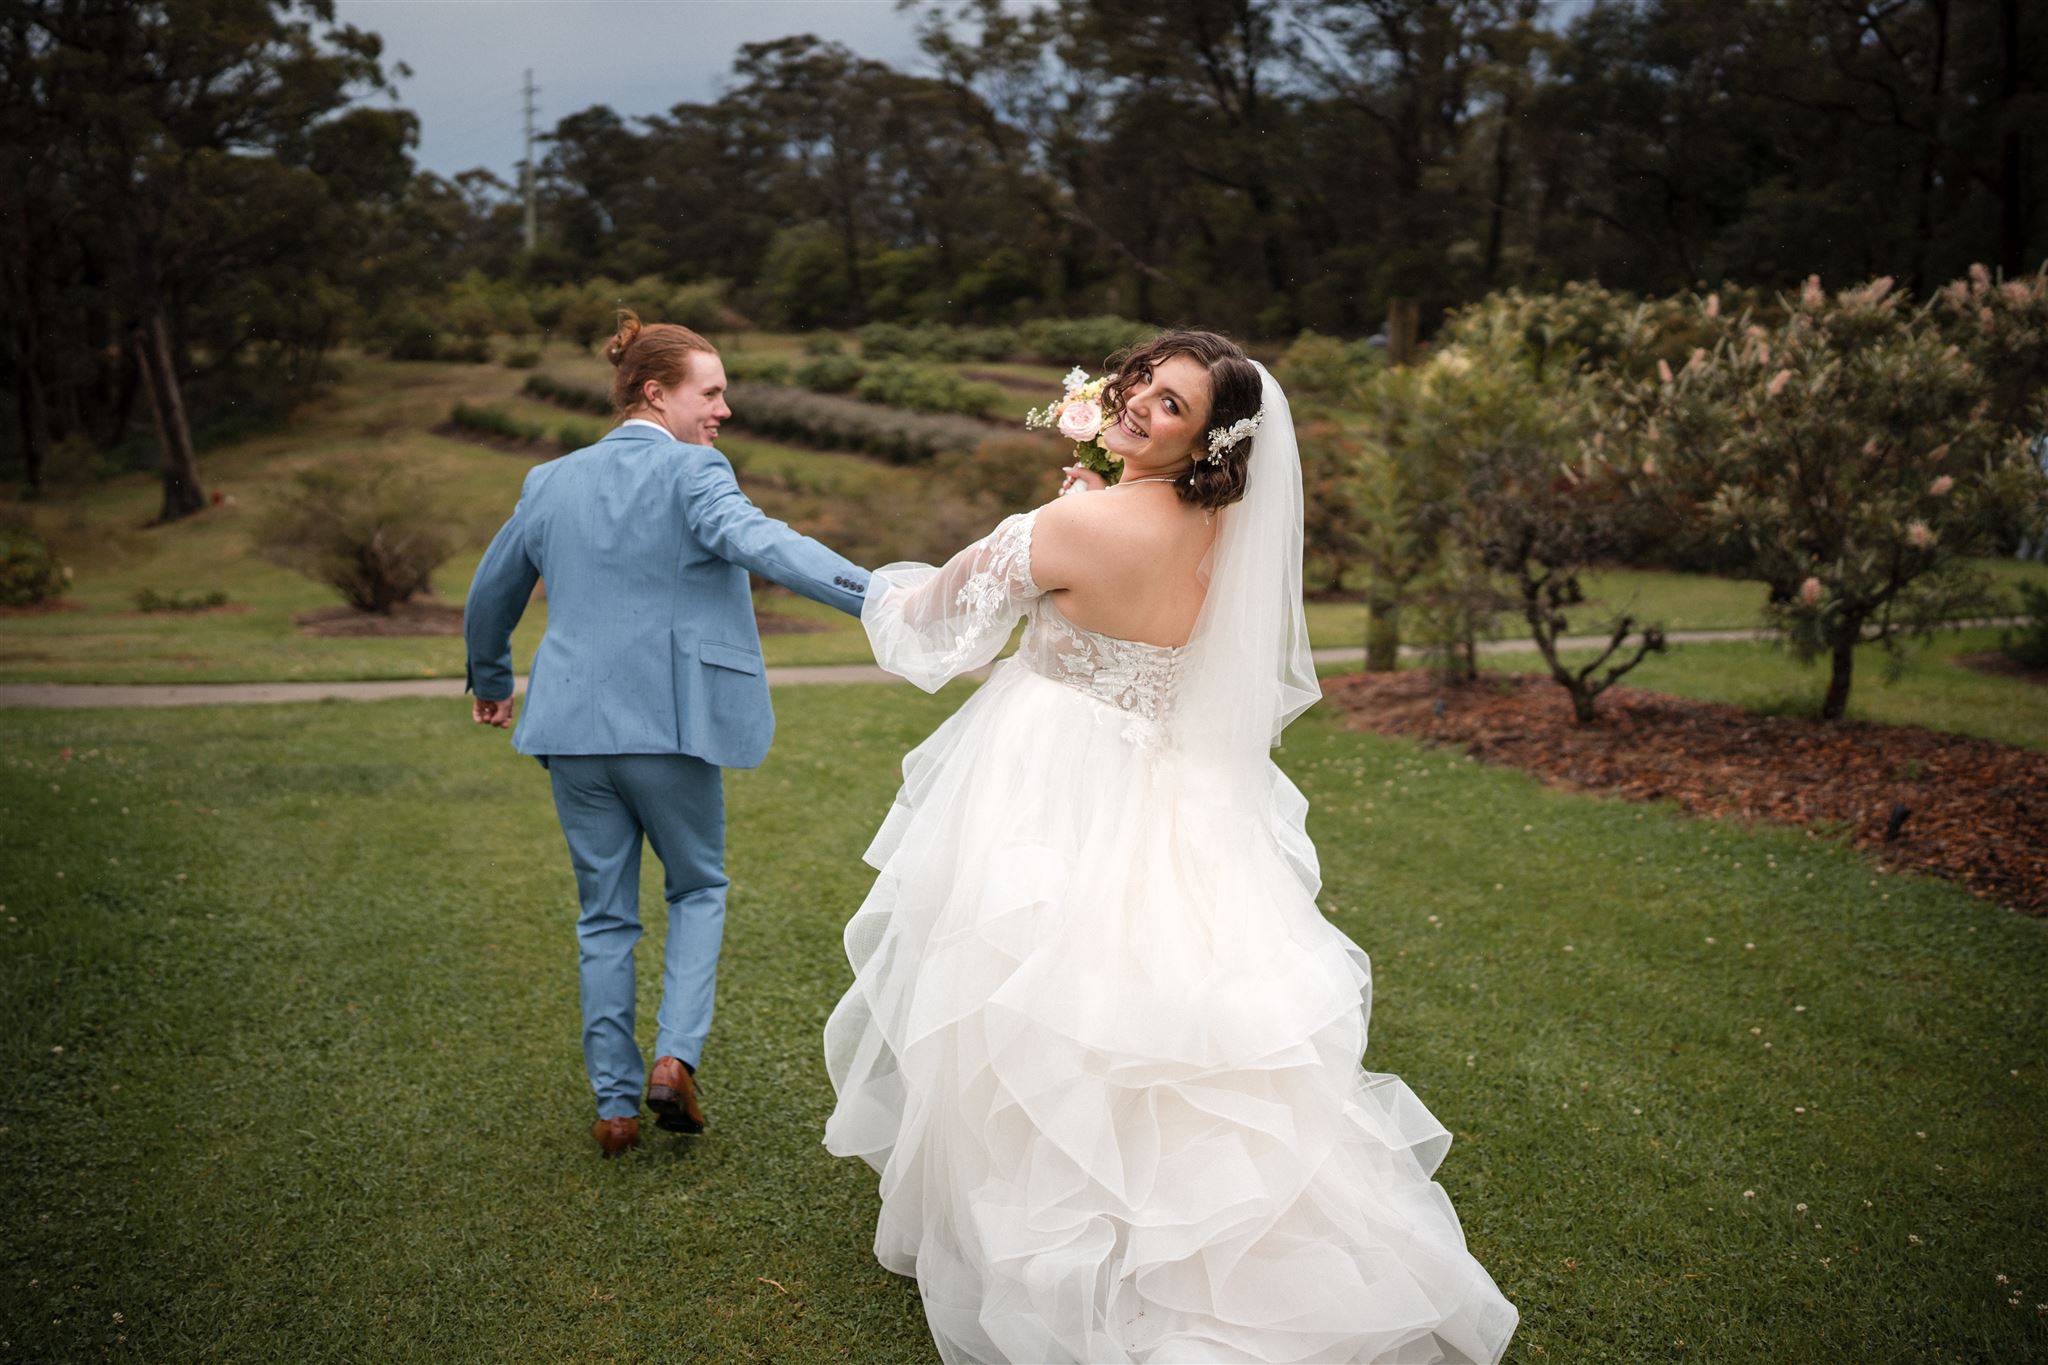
[(417, 617), (1976, 811)]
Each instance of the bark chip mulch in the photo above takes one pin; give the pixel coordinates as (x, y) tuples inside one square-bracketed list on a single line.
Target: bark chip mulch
[(1976, 811)]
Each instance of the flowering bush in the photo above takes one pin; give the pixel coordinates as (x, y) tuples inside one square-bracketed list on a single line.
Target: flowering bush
[(1840, 451)]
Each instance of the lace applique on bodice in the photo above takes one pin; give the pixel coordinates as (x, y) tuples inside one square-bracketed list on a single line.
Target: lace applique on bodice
[(931, 624), (1136, 678)]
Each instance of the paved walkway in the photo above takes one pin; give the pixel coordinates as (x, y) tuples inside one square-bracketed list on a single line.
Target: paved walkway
[(68, 696)]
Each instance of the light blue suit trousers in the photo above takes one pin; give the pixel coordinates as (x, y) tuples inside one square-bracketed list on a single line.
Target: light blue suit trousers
[(606, 803)]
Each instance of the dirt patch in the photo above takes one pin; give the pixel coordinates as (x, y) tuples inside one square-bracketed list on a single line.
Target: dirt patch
[(49, 608), (414, 618), (1996, 664), (1975, 811), (176, 613)]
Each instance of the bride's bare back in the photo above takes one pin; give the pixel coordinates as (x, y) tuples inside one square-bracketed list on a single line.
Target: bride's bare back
[(1124, 561)]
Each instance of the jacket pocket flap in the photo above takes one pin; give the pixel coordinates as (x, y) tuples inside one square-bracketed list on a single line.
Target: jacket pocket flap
[(735, 657)]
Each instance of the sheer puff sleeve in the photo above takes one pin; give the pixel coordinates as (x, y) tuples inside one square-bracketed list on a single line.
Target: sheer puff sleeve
[(930, 625)]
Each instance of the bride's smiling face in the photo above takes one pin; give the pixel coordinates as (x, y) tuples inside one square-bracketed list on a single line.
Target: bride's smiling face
[(1163, 416)]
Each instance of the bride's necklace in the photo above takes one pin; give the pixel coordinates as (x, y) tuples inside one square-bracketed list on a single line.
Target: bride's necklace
[(1149, 478)]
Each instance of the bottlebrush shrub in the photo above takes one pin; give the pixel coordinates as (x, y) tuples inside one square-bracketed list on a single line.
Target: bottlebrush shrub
[(1844, 452)]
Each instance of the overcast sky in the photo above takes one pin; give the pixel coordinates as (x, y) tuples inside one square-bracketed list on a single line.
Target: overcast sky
[(468, 58)]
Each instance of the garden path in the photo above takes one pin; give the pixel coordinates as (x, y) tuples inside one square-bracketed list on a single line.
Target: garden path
[(69, 696)]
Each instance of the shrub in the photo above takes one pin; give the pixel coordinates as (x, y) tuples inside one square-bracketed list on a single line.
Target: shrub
[(1843, 454), (928, 388), (935, 341), (366, 529), (572, 396), (1018, 472), (987, 343), (846, 424), (468, 351), (2029, 647), (29, 573), (830, 372), (1086, 342), (761, 371), (495, 422), (523, 359), (1322, 370), (177, 599), (880, 340), (576, 435)]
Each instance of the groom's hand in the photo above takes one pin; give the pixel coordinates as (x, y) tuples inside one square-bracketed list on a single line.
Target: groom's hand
[(498, 713)]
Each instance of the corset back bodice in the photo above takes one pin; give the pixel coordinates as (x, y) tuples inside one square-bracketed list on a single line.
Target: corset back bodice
[(1134, 677)]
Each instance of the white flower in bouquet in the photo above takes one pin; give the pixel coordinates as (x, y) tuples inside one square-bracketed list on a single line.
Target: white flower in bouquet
[(1080, 415)]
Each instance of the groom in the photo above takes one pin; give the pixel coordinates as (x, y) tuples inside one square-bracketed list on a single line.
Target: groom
[(647, 682)]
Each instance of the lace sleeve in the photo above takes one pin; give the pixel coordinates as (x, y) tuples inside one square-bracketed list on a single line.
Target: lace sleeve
[(930, 625)]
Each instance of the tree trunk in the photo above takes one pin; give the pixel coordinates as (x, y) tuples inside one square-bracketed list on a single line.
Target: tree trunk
[(30, 417), (1382, 631), (1503, 167), (1844, 664), (182, 494), (2013, 208), (1404, 321), (1923, 218)]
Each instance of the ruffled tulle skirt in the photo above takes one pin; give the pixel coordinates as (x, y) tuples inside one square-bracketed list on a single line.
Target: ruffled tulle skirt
[(1103, 1050)]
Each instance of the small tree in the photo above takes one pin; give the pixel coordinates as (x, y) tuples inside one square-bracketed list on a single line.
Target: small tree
[(1412, 436), (1531, 513), (1323, 376), (366, 529), (1844, 454)]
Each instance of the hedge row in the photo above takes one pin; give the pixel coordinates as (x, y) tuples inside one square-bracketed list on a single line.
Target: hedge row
[(497, 422), (848, 424), (818, 419)]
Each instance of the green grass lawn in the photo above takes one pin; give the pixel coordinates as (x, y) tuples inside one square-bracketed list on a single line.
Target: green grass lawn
[(1932, 689), (288, 997)]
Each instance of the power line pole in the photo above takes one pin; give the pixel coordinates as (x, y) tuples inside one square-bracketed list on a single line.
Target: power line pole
[(526, 171)]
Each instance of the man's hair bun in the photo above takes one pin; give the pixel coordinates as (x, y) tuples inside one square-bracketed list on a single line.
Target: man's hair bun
[(629, 327)]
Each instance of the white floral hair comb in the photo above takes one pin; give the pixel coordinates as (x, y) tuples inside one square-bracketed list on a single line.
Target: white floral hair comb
[(1223, 438)]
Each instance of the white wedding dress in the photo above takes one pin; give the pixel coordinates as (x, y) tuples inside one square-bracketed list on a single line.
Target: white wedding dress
[(1102, 1047)]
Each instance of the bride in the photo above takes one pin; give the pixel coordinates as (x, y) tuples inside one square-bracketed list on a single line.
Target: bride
[(1101, 1045)]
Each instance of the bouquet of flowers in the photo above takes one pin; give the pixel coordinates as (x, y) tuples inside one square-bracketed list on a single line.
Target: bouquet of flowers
[(1079, 415)]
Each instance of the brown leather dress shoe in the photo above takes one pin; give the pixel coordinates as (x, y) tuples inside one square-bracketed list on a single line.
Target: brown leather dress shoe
[(672, 1095), (616, 1135)]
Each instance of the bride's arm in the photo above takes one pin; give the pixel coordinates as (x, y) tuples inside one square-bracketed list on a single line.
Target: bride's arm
[(932, 624)]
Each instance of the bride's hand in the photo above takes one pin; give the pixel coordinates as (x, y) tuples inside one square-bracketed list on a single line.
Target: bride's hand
[(1081, 476)]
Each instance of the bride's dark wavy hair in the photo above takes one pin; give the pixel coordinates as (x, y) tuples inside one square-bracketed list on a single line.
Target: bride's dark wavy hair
[(1235, 392)]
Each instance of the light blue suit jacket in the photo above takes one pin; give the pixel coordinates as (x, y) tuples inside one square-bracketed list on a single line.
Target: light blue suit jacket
[(645, 544)]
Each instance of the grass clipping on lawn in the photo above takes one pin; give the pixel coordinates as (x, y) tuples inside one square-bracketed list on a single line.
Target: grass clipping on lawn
[(1976, 811)]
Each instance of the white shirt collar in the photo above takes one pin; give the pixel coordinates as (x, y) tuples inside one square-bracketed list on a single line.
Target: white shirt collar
[(642, 421)]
